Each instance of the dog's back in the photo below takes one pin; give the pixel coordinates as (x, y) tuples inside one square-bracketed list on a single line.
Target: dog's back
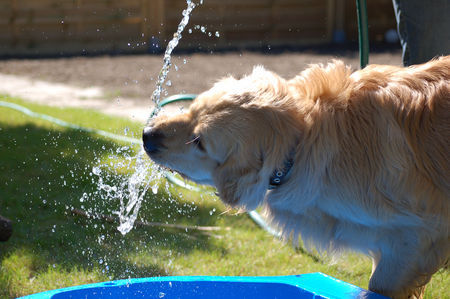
[(389, 126), (419, 99)]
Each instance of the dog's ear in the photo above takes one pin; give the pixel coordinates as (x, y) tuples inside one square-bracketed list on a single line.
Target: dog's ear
[(241, 185)]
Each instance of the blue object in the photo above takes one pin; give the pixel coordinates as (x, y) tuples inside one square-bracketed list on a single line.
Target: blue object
[(314, 285)]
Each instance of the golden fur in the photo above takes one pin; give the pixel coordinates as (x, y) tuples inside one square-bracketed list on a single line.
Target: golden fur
[(371, 169)]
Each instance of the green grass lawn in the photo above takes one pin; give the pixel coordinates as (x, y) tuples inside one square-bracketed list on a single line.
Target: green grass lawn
[(44, 171)]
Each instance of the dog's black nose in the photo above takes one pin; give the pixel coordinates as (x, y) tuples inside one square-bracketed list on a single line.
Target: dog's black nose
[(152, 139)]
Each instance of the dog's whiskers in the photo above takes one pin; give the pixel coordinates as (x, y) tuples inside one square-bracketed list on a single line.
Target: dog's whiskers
[(239, 212), (227, 211), (193, 140)]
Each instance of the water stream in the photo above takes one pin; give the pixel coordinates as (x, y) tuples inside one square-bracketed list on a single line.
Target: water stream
[(130, 190), (156, 96)]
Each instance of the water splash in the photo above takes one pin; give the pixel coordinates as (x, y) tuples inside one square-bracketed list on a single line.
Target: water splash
[(138, 183), (130, 189), (137, 186)]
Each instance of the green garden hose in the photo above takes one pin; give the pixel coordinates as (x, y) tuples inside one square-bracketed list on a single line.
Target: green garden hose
[(173, 99), (363, 33)]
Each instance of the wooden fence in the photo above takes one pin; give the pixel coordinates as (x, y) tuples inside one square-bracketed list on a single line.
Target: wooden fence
[(52, 27)]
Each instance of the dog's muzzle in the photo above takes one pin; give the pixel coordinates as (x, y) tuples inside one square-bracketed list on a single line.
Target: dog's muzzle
[(152, 140)]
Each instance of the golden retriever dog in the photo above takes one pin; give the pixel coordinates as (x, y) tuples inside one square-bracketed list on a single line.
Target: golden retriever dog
[(342, 159)]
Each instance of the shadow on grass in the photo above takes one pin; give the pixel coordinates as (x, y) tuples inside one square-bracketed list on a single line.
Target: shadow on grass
[(43, 174)]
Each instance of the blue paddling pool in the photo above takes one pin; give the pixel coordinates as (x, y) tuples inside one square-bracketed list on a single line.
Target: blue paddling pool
[(314, 285)]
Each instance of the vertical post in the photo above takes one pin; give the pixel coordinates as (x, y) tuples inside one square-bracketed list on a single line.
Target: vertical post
[(363, 33)]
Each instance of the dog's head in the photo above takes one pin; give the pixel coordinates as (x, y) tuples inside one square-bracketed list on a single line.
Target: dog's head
[(233, 137)]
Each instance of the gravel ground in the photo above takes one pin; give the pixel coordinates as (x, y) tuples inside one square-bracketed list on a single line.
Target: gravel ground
[(130, 79), (133, 76)]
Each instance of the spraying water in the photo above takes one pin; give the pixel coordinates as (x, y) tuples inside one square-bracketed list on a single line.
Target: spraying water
[(156, 96), (132, 192)]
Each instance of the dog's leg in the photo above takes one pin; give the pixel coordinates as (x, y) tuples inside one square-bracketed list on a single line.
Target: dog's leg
[(395, 276), (419, 292)]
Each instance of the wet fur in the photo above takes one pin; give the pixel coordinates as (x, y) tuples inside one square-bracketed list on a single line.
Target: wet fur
[(371, 170)]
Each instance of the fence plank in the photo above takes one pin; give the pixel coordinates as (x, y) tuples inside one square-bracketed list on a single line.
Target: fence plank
[(31, 26)]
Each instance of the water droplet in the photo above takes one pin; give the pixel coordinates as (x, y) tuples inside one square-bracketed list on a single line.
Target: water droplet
[(96, 170), (84, 197), (203, 29), (161, 295), (217, 34), (169, 83), (155, 189)]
